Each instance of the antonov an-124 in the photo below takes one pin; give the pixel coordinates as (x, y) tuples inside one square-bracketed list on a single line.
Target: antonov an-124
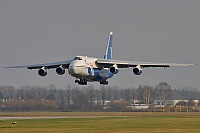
[(88, 69)]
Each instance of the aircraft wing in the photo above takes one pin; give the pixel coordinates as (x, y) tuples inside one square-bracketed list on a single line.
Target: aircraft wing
[(127, 64), (65, 64)]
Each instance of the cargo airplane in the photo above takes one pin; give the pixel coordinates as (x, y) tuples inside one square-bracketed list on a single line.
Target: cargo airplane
[(88, 69)]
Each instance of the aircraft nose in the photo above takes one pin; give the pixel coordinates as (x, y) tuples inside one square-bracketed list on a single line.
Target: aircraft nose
[(73, 68), (78, 68)]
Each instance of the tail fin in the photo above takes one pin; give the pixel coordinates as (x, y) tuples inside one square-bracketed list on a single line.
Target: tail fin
[(108, 54)]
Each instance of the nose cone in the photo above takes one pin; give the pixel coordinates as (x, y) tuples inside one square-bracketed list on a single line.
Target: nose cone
[(73, 69)]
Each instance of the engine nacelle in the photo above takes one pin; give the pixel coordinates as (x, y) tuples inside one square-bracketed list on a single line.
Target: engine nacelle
[(137, 70), (42, 72), (113, 70), (60, 70)]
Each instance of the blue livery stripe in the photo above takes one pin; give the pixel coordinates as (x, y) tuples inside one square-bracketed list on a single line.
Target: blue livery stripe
[(89, 71), (108, 54)]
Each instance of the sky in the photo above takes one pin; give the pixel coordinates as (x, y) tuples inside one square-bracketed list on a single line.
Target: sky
[(33, 31)]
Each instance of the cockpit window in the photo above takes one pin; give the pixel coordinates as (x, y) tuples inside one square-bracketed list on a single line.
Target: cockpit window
[(77, 58)]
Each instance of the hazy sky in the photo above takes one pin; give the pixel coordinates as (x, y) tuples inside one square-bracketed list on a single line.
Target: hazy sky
[(41, 31)]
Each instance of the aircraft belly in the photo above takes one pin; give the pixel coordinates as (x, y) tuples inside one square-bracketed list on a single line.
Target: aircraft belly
[(92, 78), (89, 74)]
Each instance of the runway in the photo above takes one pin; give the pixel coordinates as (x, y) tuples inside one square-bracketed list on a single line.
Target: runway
[(46, 117)]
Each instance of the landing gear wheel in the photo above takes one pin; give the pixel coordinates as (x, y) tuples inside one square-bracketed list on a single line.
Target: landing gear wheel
[(76, 81), (104, 82), (81, 81)]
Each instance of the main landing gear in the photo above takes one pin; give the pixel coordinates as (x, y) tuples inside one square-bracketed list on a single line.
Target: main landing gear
[(103, 82), (81, 81)]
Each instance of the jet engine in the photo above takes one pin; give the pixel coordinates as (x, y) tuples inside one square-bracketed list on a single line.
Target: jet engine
[(42, 72), (60, 70), (113, 69), (137, 70)]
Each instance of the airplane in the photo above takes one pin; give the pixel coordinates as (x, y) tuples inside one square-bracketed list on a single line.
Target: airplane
[(88, 69)]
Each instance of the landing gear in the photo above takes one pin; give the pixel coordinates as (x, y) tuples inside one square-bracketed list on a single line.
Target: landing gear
[(77, 80), (81, 81), (104, 82)]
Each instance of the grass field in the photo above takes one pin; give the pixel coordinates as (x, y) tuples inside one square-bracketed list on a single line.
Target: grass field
[(142, 123)]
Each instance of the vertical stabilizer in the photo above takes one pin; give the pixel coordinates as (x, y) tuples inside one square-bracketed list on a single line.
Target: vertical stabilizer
[(108, 54)]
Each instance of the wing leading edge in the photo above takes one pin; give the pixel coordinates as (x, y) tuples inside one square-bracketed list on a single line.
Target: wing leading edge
[(65, 64), (127, 64)]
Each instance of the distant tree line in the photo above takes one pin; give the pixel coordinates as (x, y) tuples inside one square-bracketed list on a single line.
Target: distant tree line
[(87, 98)]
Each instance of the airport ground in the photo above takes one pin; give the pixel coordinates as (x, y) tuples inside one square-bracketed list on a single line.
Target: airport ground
[(100, 122)]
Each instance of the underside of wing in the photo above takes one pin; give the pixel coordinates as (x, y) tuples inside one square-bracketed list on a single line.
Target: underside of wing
[(65, 64), (126, 64)]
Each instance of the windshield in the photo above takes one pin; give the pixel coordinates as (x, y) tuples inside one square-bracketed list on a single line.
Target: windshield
[(77, 58)]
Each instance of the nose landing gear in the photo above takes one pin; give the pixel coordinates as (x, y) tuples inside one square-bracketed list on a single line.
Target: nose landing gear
[(81, 81)]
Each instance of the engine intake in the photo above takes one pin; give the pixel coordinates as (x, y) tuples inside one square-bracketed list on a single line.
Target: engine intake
[(137, 70), (42, 72), (60, 70), (113, 70)]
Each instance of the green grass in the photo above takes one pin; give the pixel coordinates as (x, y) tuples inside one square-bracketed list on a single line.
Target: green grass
[(135, 124)]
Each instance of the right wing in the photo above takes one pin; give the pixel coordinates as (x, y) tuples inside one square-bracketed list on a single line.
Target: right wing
[(65, 64), (127, 64)]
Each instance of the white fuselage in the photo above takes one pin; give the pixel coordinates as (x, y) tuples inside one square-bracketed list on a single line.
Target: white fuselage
[(86, 67)]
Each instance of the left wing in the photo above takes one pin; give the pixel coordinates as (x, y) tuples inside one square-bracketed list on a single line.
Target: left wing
[(65, 64), (127, 64)]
